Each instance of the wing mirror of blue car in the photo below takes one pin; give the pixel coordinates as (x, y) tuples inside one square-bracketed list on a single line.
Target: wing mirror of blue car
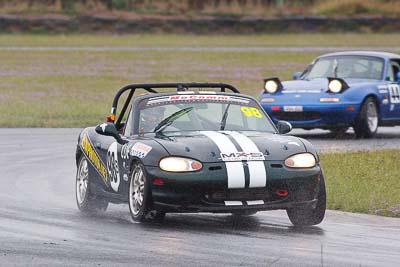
[(296, 75), (283, 127), (272, 85), (108, 129), (336, 85)]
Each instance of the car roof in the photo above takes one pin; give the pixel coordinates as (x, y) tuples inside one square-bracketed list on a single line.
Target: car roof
[(384, 55)]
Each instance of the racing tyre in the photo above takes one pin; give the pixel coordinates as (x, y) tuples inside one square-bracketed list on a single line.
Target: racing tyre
[(367, 121), (140, 202), (87, 202), (310, 216)]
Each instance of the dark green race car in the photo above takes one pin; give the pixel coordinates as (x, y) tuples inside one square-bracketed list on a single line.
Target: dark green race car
[(196, 151)]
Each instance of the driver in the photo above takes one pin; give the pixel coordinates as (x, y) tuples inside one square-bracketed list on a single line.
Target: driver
[(150, 118)]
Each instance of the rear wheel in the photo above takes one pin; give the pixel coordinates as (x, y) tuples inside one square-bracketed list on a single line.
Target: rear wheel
[(366, 124), (87, 202), (310, 216), (140, 202)]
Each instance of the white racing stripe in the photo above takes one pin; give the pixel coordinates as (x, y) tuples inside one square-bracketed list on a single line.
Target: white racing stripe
[(258, 175), (233, 203), (234, 170)]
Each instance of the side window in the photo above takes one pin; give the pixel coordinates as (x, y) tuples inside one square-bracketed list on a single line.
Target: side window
[(376, 67), (128, 131), (393, 70)]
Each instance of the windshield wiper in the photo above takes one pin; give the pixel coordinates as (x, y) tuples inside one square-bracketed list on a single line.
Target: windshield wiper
[(170, 119), (224, 117)]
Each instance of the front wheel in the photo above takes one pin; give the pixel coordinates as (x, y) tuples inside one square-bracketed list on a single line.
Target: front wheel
[(310, 216), (366, 124), (140, 202), (87, 201)]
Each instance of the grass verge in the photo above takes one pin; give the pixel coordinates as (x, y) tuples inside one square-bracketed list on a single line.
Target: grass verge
[(363, 182), (168, 40), (75, 88)]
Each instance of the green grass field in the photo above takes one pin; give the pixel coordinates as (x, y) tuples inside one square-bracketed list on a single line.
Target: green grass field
[(152, 40), (364, 182), (75, 88)]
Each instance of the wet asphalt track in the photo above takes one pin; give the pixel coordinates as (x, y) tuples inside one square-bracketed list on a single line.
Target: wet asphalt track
[(40, 224)]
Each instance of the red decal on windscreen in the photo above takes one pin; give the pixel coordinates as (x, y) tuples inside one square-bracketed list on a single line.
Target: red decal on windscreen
[(199, 97)]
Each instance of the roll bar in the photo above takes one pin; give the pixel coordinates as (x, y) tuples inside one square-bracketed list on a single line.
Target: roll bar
[(150, 88)]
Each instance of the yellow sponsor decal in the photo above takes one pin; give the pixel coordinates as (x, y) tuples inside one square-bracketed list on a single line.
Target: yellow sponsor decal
[(251, 112), (93, 157)]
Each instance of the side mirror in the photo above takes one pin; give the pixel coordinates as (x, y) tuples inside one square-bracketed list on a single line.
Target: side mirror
[(283, 127), (296, 75), (108, 129)]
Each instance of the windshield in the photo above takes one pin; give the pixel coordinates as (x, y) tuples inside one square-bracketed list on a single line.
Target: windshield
[(357, 67), (204, 113)]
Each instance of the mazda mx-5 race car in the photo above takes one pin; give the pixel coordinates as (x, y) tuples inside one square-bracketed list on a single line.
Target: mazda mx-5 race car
[(338, 91), (196, 151)]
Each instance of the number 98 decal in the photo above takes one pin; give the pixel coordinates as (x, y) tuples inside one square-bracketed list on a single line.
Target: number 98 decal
[(251, 112), (112, 166)]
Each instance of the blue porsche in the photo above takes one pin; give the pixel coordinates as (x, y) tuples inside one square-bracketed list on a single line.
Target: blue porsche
[(337, 91)]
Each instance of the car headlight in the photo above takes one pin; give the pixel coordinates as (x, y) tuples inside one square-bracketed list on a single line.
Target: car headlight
[(177, 164), (335, 86), (303, 160), (271, 86)]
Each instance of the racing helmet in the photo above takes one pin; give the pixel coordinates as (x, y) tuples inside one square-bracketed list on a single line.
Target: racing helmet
[(150, 117)]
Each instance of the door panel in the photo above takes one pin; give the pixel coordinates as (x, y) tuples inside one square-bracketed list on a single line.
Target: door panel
[(394, 100)]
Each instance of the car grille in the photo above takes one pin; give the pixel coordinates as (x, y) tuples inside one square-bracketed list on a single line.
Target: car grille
[(297, 116), (240, 194)]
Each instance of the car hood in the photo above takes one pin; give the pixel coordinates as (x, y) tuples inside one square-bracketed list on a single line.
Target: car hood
[(207, 146), (320, 85)]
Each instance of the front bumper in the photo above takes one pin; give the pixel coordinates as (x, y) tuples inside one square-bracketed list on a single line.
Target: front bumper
[(327, 115), (206, 190), (224, 209)]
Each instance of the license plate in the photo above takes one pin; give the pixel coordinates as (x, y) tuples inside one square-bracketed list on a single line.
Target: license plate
[(293, 108)]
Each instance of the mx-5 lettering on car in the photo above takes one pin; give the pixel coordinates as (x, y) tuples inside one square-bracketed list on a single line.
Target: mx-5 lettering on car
[(235, 170), (258, 175)]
